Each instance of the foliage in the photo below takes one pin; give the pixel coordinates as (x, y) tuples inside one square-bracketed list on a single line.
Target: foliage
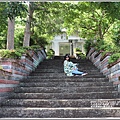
[(33, 47), (38, 40), (50, 53), (14, 54), (19, 32), (48, 18), (3, 26), (79, 54), (17, 53), (88, 44), (104, 45), (91, 20), (115, 54), (9, 9), (14, 9), (114, 57), (112, 9), (116, 33), (88, 20)]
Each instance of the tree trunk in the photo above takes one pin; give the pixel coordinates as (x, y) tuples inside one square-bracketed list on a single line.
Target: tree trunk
[(10, 34), (27, 32), (100, 31)]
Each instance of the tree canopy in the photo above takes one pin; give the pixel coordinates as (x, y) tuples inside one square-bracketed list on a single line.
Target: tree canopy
[(89, 20)]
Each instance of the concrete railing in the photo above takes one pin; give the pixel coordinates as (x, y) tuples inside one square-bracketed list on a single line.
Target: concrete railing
[(111, 71), (14, 70)]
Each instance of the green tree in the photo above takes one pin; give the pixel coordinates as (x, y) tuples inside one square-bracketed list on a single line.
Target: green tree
[(3, 26), (27, 32), (48, 19), (91, 20), (13, 9), (88, 20)]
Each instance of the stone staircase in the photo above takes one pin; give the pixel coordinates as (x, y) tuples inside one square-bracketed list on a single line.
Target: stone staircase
[(48, 93)]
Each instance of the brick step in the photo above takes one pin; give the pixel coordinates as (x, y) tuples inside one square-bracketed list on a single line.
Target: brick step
[(65, 84), (85, 95), (5, 94), (3, 90), (51, 103), (8, 81), (2, 98), (64, 89), (4, 85), (85, 112)]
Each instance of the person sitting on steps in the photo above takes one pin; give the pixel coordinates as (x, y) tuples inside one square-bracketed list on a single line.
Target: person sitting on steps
[(71, 68)]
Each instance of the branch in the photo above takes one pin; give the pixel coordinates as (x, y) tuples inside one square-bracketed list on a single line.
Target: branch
[(106, 30), (89, 27)]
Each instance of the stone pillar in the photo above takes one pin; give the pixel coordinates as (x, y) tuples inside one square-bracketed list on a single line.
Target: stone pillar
[(82, 47), (74, 47), (56, 48), (71, 47)]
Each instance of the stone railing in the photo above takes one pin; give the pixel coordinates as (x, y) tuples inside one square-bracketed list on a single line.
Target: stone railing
[(11, 70), (111, 71)]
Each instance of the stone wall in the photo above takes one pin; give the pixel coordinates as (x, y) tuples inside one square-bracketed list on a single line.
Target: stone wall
[(14, 70), (111, 71)]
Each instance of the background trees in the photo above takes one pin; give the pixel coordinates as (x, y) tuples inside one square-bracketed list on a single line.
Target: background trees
[(40, 21), (3, 26)]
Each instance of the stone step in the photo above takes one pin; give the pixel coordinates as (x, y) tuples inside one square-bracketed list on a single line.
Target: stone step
[(64, 89), (51, 103), (62, 74), (61, 61), (85, 95), (61, 67), (49, 70), (65, 84), (53, 76), (63, 79), (51, 63), (85, 112), (49, 93)]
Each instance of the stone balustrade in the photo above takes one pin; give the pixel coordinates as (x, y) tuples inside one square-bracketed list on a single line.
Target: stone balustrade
[(112, 71), (13, 70)]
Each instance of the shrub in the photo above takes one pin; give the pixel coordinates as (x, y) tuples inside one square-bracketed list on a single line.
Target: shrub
[(50, 54), (87, 45), (17, 53), (14, 54), (79, 54), (114, 57)]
